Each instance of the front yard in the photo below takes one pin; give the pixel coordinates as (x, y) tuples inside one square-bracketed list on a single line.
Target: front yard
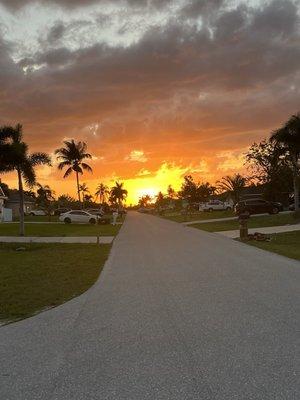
[(197, 215), (45, 275), (59, 229), (253, 222), (287, 244)]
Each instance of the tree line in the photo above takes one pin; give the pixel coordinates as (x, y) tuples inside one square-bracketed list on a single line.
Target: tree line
[(273, 165), (72, 158)]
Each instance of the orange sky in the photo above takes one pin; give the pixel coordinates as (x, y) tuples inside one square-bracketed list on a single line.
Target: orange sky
[(157, 89)]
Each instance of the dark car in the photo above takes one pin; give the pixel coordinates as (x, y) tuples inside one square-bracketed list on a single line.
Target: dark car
[(257, 206)]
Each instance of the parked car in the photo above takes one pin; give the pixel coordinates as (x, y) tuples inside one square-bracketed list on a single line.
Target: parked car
[(95, 211), (257, 206), (59, 211), (37, 213), (78, 216), (215, 205)]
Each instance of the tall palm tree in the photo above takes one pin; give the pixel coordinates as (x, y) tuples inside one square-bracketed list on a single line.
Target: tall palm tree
[(101, 192), (233, 185), (72, 156), (288, 136), (14, 156), (118, 194)]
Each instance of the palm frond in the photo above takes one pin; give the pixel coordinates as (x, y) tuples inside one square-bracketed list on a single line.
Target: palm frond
[(86, 167), (28, 173), (68, 172), (40, 158)]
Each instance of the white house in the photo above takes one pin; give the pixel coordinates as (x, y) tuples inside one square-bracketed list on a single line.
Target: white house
[(2, 199)]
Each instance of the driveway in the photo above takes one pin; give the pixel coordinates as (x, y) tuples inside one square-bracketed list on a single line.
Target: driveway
[(176, 314)]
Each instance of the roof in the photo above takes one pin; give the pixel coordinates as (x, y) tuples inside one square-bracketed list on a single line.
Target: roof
[(14, 197)]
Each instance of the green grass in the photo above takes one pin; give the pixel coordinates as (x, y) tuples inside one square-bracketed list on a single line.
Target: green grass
[(253, 222), (60, 229), (39, 218), (286, 244), (199, 215), (45, 275)]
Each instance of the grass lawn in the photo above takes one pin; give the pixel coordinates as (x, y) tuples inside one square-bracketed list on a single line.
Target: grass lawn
[(60, 229), (39, 218), (286, 244), (45, 275), (199, 215), (254, 222)]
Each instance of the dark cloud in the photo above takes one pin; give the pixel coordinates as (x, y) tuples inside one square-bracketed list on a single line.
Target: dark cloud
[(17, 4), (175, 84), (195, 8), (56, 33)]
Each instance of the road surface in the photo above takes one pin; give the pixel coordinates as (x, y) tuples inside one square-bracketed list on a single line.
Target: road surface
[(176, 314)]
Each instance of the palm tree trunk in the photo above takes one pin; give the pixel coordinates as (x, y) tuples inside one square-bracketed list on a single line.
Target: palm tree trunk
[(21, 204), (78, 188)]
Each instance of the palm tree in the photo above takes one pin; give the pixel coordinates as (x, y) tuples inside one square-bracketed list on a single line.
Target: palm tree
[(118, 194), (233, 185), (45, 199), (288, 136), (144, 200), (101, 192), (84, 189), (72, 156), (14, 156)]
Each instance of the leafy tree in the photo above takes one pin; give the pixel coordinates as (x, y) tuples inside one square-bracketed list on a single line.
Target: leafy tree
[(204, 191), (160, 202), (233, 185), (66, 201), (288, 136), (102, 192), (171, 192), (188, 189), (195, 192), (14, 156), (270, 167), (72, 157), (45, 199), (118, 194)]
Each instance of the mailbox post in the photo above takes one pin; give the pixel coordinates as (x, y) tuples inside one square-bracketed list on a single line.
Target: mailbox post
[(243, 220)]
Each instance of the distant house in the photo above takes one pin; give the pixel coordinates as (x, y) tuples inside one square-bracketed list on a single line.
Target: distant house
[(2, 201), (13, 202)]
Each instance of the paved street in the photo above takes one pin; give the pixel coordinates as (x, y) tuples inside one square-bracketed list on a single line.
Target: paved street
[(177, 314)]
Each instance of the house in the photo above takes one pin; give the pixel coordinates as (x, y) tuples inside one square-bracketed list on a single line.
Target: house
[(13, 203), (2, 200)]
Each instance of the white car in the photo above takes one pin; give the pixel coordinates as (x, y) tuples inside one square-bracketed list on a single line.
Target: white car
[(78, 216), (214, 205), (37, 212)]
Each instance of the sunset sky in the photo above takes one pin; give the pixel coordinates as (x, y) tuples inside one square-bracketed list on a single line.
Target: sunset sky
[(157, 89)]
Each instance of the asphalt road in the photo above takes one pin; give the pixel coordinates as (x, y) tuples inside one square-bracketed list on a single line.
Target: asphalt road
[(176, 314)]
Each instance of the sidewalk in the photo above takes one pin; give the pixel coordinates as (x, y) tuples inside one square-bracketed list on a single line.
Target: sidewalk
[(56, 239), (268, 230)]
